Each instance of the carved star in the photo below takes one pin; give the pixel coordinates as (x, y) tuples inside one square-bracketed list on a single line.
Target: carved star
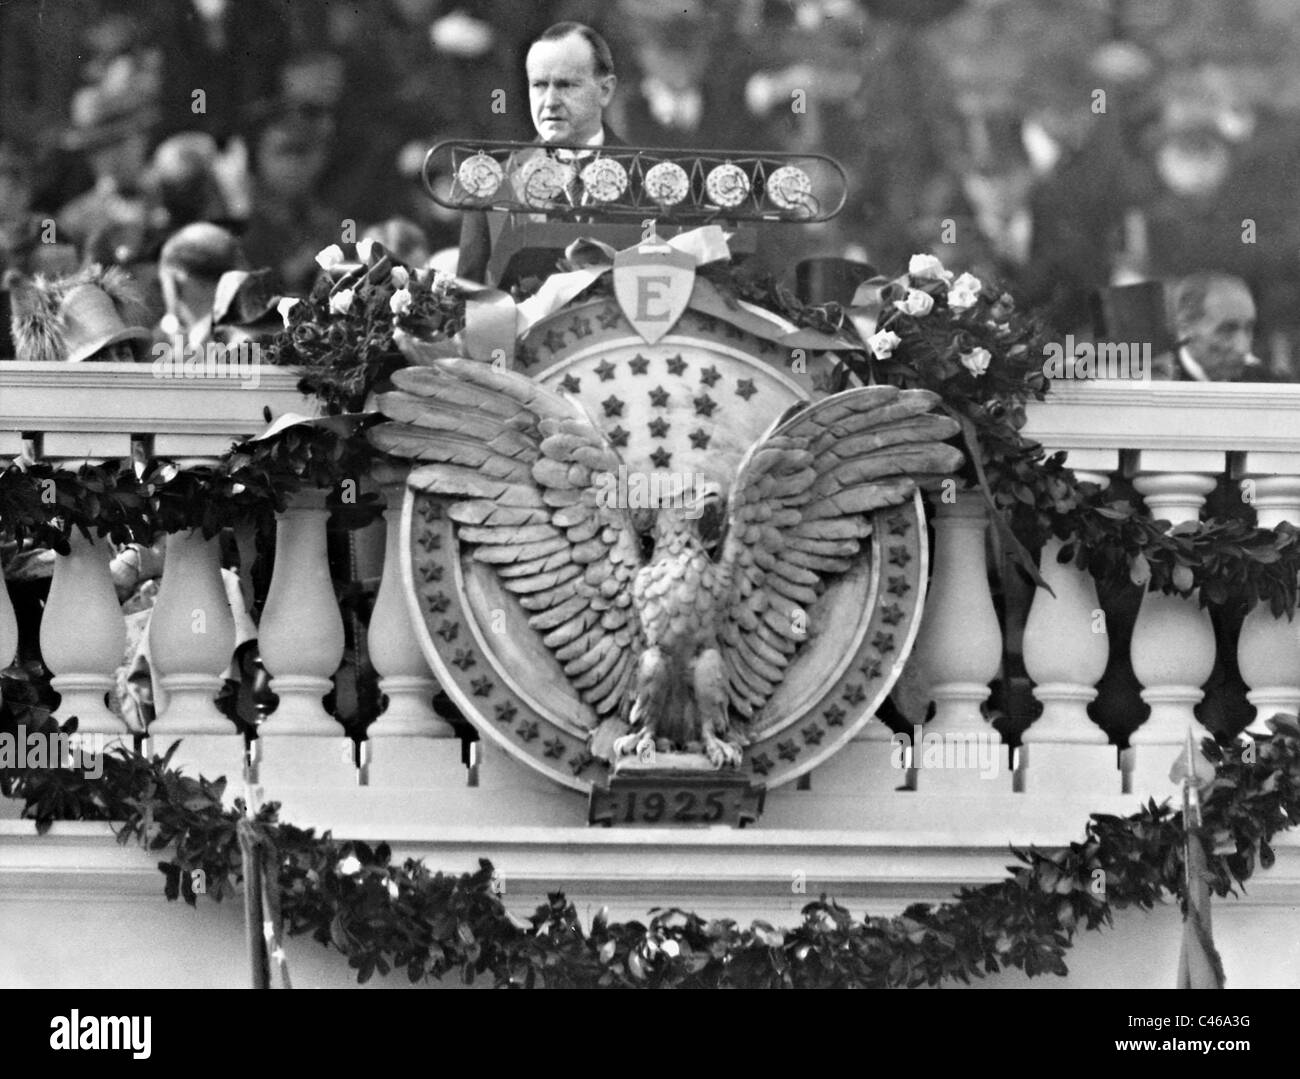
[(428, 509), (709, 376), (834, 716), (612, 406), (659, 397), (569, 384), (745, 388), (708, 323), (482, 687), (577, 764), (898, 525), (429, 541), (618, 437), (891, 614), (605, 370), (787, 750), (427, 572), (854, 693), (733, 331), (525, 356), (661, 458), (580, 327), (676, 365), (762, 764), (464, 659), (506, 711), (898, 556), (436, 603), (813, 735), (658, 428), (554, 748), (883, 643), (699, 438), (704, 405), (638, 364), (448, 631), (871, 669), (898, 586), (610, 317), (553, 341), (527, 731)]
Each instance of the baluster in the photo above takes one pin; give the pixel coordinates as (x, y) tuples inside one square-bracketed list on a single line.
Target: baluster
[(83, 636), (959, 649), (411, 745), (1173, 646), (301, 643), (191, 638), (1268, 650), (1066, 648)]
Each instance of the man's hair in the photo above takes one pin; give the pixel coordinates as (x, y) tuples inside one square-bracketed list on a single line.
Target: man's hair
[(1190, 294), (599, 48), (203, 250)]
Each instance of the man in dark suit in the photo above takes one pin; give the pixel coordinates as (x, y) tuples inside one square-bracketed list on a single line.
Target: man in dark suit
[(571, 82), (1214, 324)]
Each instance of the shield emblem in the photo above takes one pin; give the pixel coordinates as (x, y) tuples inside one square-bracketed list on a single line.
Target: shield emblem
[(652, 284)]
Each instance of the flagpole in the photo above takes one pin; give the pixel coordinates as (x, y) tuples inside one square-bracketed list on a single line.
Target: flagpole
[(254, 915)]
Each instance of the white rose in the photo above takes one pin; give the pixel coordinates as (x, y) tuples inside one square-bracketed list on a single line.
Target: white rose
[(671, 948), (927, 266), (284, 307), (400, 303), (341, 301), (882, 343), (917, 303), (959, 299), (329, 257), (401, 278), (349, 866), (365, 248), (976, 361), (968, 282)]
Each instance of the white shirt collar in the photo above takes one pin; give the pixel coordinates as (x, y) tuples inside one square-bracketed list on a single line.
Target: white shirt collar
[(1193, 369), (597, 139)]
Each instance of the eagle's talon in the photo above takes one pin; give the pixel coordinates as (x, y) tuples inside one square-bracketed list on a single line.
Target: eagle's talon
[(721, 754), (636, 744)]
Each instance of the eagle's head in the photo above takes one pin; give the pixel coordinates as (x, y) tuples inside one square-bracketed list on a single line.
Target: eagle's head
[(698, 512)]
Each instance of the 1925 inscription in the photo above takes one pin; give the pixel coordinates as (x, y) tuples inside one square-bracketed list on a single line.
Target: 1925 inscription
[(675, 800)]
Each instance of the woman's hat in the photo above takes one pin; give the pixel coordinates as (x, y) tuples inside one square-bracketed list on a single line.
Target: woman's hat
[(70, 319)]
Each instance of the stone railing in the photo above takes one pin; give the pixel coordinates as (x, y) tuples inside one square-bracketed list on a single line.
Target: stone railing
[(1173, 439)]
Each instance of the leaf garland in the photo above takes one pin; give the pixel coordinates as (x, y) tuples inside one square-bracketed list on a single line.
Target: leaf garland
[(388, 917)]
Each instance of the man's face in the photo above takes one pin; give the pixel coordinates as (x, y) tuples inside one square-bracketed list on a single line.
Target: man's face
[(565, 94), (1221, 339)]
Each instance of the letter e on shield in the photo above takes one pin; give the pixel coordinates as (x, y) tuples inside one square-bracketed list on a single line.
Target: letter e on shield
[(653, 284)]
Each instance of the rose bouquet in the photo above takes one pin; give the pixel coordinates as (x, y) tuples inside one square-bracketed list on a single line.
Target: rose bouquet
[(347, 335)]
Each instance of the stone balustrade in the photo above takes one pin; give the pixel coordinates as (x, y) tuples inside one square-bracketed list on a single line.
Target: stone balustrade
[(1173, 440)]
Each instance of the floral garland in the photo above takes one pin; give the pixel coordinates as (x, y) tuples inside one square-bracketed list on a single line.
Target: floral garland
[(965, 340), (386, 917)]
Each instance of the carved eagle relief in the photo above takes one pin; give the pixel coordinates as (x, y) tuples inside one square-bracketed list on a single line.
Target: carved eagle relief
[(675, 623)]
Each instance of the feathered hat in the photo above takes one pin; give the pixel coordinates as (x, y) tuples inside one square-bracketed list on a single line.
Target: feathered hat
[(71, 318)]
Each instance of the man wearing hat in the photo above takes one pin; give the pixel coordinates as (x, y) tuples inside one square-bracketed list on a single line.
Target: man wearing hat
[(111, 123)]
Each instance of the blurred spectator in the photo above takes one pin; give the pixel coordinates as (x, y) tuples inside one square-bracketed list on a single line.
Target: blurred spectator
[(94, 315), (1214, 327), (20, 229), (218, 58), (189, 268), (111, 123), (289, 221), (404, 239), (183, 178)]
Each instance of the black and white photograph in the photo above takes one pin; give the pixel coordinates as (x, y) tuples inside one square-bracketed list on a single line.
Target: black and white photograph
[(645, 494)]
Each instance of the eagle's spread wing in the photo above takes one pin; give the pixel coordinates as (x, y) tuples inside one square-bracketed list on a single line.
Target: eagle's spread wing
[(524, 463), (798, 509)]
